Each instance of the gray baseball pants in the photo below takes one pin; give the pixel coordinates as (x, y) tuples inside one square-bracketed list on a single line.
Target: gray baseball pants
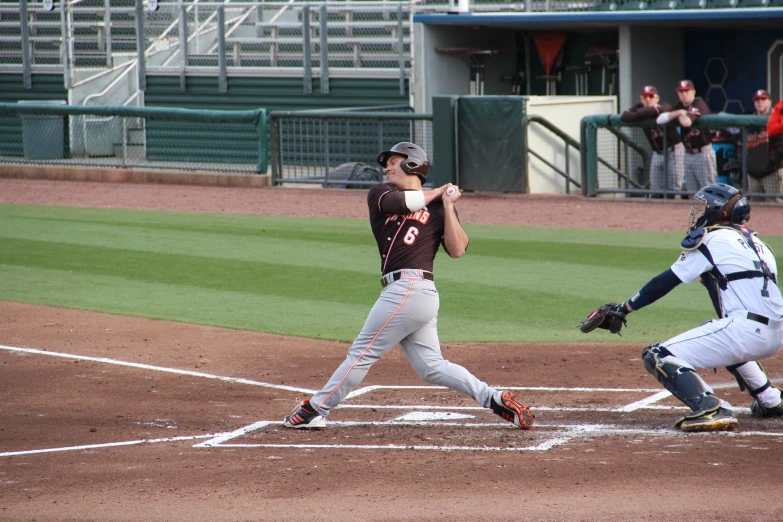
[(700, 169), (675, 164), (406, 313)]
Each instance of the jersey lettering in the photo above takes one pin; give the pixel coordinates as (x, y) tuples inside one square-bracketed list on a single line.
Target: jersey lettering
[(422, 216)]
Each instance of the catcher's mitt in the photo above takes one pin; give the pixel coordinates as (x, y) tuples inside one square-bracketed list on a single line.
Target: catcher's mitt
[(610, 316)]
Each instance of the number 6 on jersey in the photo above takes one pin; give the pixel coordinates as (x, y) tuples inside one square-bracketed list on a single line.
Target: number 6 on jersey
[(410, 237)]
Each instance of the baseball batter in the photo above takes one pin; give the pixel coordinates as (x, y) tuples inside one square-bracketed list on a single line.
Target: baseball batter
[(740, 274), (409, 225), (700, 166)]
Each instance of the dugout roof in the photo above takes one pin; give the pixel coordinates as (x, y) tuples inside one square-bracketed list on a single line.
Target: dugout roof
[(714, 18)]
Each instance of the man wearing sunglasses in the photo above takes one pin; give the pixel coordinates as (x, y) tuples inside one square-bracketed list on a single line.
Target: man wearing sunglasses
[(650, 106)]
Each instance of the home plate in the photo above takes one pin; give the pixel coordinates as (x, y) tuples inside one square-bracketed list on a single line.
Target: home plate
[(418, 416)]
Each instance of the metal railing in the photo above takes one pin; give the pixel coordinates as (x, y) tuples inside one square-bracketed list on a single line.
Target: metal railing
[(343, 39), (568, 143), (148, 137), (616, 158), (334, 148)]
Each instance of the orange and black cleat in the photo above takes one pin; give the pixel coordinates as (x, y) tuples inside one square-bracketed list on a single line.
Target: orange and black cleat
[(506, 404), (305, 417)]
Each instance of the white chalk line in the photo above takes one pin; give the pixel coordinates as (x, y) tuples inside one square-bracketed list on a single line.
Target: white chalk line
[(572, 432), (646, 402), (236, 433), (368, 389), (106, 445), (220, 439), (158, 369), (426, 407)]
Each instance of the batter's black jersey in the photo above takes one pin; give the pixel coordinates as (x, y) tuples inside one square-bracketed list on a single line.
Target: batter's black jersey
[(405, 239), (655, 136), (693, 138)]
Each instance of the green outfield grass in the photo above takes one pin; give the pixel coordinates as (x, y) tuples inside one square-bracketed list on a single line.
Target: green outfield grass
[(319, 277)]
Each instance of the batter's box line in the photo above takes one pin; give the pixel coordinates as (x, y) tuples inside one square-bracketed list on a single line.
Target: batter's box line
[(222, 440), (367, 389), (587, 409), (573, 431)]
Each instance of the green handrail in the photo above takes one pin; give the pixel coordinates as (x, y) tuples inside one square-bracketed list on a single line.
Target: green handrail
[(255, 116), (611, 122)]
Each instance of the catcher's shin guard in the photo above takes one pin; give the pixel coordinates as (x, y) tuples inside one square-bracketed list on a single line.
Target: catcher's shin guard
[(752, 378), (746, 373), (681, 381)]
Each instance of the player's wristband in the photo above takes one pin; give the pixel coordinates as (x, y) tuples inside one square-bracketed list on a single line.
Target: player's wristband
[(637, 301), (414, 200)]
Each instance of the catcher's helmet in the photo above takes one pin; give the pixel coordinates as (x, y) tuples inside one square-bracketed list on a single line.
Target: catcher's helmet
[(718, 202), (415, 162)]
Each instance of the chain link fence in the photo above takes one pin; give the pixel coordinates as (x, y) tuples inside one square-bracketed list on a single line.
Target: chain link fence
[(340, 148), (118, 136), (617, 158)]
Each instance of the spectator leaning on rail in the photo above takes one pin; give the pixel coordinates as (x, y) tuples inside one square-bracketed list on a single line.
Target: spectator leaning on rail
[(763, 170), (775, 134), (699, 161), (650, 106)]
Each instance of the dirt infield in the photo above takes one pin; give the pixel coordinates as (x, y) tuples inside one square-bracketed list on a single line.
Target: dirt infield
[(107, 417)]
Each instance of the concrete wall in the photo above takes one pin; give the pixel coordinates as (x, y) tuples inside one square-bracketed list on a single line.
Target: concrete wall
[(439, 73), (650, 56), (566, 113)]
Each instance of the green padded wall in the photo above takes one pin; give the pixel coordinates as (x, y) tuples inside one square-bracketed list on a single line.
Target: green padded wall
[(172, 141), (272, 94), (45, 87)]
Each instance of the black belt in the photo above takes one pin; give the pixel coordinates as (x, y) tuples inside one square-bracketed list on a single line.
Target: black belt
[(398, 275), (758, 318)]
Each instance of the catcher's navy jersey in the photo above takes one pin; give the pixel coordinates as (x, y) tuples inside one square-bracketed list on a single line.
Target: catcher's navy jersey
[(405, 240)]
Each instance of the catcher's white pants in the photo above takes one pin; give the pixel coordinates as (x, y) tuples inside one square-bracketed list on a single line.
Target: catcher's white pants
[(406, 313), (729, 341)]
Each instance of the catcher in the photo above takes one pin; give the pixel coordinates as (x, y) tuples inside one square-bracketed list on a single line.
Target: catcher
[(740, 274)]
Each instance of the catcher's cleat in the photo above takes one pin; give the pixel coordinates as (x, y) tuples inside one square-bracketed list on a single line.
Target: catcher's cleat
[(506, 404), (305, 417), (759, 410), (715, 419)]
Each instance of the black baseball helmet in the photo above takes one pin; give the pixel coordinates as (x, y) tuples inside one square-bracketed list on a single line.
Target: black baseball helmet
[(718, 202), (415, 162)]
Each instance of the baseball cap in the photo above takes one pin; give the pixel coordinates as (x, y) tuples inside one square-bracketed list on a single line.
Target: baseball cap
[(761, 94), (649, 90), (685, 85)]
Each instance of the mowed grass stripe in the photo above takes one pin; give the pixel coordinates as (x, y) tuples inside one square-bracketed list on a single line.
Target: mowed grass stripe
[(319, 277), (266, 239), (468, 312), (170, 302), (191, 271), (293, 249)]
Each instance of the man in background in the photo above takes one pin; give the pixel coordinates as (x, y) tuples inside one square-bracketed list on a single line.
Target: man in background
[(763, 172), (650, 106), (699, 166)]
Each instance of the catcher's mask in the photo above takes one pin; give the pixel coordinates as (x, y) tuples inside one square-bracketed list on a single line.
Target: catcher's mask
[(415, 160), (718, 202)]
